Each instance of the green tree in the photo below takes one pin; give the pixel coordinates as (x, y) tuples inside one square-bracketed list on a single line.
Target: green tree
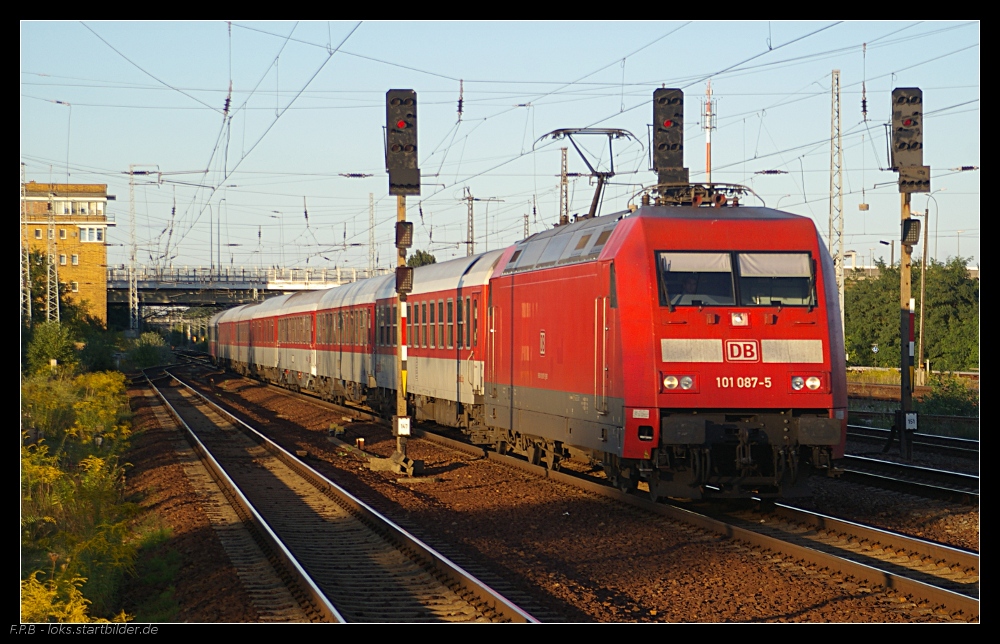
[(871, 319), (51, 341), (951, 324), (420, 258)]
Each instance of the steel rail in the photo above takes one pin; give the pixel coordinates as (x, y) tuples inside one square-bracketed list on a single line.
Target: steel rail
[(385, 526)]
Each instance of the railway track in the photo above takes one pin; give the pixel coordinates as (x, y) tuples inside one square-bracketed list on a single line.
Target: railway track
[(946, 445), (932, 575), (273, 593), (355, 565), (939, 575), (913, 479)]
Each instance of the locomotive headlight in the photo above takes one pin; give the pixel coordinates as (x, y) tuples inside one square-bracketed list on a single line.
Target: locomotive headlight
[(798, 383), (812, 382), (670, 382), (687, 382)]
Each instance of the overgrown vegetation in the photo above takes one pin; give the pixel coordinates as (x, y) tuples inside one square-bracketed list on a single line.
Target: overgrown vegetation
[(148, 350), (79, 539), (951, 324), (77, 543), (950, 396)]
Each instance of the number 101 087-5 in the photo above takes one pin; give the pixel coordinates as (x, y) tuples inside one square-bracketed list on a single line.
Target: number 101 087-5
[(742, 382)]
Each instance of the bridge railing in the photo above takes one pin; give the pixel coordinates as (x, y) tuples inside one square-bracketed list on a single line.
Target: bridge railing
[(239, 277)]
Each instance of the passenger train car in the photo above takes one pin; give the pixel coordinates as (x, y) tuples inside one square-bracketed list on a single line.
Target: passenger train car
[(697, 349)]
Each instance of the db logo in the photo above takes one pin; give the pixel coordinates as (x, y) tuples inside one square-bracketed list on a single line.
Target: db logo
[(742, 351)]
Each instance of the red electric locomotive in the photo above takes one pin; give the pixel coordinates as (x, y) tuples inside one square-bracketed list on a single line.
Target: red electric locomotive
[(696, 349)]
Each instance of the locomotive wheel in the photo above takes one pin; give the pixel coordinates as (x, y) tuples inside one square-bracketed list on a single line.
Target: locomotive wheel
[(654, 488), (625, 484)]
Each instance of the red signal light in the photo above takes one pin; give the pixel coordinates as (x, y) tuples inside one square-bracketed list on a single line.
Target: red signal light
[(401, 124), (907, 122), (668, 123)]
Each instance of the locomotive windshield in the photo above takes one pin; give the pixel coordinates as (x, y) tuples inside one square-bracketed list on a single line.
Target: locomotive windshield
[(759, 279), (782, 279), (695, 279)]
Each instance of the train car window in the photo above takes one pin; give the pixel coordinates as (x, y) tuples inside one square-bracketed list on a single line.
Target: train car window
[(395, 325), (695, 279), (468, 325), (775, 279), (415, 313), (460, 324), (440, 332), (475, 323), (432, 330), (451, 324)]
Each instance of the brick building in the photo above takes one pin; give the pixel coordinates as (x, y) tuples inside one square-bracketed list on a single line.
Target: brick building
[(80, 232)]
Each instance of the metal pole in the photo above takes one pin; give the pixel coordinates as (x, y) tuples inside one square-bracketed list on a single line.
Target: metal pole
[(905, 337), (922, 378), (401, 334)]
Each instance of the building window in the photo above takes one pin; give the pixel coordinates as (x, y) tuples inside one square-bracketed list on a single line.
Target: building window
[(75, 286), (76, 260), (62, 260), (62, 233), (100, 234), (65, 208), (38, 233)]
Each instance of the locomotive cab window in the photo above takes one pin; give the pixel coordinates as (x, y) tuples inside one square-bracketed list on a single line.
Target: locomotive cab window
[(776, 279), (695, 279), (719, 279)]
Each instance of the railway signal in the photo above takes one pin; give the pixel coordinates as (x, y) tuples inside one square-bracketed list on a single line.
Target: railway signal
[(908, 160), (908, 140), (668, 136), (404, 179), (401, 142)]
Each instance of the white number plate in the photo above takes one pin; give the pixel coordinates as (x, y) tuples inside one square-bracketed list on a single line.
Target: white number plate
[(742, 382)]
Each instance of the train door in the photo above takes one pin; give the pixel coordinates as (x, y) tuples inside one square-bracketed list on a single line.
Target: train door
[(472, 341), (312, 342), (604, 338), (371, 354)]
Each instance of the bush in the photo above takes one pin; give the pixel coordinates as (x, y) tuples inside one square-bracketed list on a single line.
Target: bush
[(51, 341), (148, 350), (950, 396), (77, 544)]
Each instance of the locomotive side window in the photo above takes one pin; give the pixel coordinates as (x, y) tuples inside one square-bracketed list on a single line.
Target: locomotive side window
[(695, 279), (776, 279)]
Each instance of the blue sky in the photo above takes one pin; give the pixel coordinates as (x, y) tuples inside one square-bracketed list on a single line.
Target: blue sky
[(308, 105)]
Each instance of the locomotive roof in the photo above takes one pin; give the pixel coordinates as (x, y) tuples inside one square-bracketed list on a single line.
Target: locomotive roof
[(585, 239)]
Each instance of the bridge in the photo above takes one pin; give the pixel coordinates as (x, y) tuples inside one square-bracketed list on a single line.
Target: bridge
[(202, 286)]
